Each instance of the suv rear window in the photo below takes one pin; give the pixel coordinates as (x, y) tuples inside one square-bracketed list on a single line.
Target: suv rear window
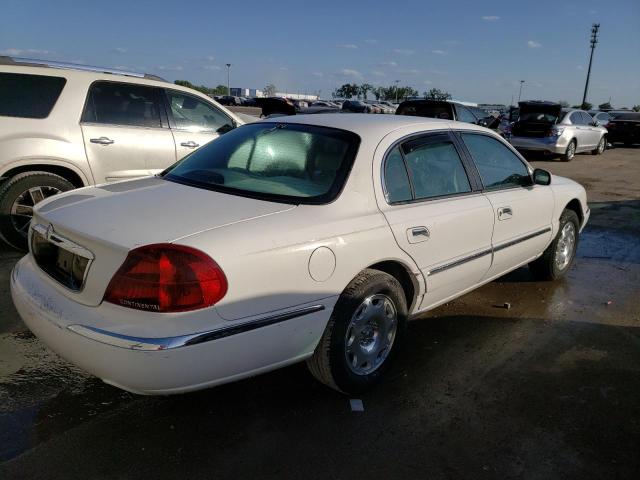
[(430, 110), (29, 96), (286, 162)]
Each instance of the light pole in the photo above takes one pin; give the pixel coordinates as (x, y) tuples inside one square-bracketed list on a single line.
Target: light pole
[(397, 81), (520, 93), (228, 84), (594, 39)]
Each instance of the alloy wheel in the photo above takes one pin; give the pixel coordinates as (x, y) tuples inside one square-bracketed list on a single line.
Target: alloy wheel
[(22, 208)]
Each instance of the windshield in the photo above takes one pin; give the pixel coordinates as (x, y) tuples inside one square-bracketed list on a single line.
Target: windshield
[(284, 162)]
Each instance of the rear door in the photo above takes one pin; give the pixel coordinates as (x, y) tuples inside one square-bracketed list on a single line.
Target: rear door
[(125, 131), (522, 211), (437, 214), (194, 122), (594, 132)]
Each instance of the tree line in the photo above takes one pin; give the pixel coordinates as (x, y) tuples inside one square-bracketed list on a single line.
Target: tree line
[(392, 92), (219, 90)]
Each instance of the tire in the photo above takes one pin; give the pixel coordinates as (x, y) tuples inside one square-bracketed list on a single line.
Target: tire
[(546, 267), (339, 361), (570, 152), (602, 144), (17, 197)]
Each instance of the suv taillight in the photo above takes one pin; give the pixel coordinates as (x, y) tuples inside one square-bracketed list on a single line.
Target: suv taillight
[(167, 278)]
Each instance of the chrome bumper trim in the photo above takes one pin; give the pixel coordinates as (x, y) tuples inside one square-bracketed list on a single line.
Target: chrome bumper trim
[(170, 343)]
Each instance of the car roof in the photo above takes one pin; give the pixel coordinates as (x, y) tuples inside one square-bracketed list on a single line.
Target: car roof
[(366, 125)]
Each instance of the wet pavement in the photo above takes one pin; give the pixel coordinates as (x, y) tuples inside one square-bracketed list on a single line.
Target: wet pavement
[(549, 388)]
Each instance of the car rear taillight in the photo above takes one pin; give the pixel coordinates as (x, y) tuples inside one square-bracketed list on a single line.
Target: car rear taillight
[(555, 131), (167, 278), (610, 125)]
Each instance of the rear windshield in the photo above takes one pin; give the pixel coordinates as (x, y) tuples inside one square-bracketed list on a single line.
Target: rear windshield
[(437, 110), (28, 96), (625, 115), (284, 162)]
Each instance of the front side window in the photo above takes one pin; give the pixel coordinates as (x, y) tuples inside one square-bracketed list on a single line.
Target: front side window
[(192, 114), (122, 104), (285, 162), (435, 168), (28, 96), (464, 115), (498, 166)]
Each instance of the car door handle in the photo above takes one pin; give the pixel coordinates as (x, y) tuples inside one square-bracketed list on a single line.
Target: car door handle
[(420, 232), (102, 141), (190, 144), (505, 213)]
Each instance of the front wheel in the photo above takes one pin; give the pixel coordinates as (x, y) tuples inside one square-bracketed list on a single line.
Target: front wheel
[(558, 257), (18, 196), (364, 333)]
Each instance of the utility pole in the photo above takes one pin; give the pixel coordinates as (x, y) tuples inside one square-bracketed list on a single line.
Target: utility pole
[(594, 39), (228, 84), (520, 93)]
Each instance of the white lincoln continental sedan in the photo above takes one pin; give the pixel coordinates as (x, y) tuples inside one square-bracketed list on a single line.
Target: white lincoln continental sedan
[(311, 237)]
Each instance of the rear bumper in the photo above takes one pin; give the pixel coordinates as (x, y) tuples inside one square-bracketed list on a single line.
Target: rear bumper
[(555, 145), (164, 365)]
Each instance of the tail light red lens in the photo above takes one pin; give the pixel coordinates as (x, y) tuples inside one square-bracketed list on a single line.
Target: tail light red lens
[(167, 278)]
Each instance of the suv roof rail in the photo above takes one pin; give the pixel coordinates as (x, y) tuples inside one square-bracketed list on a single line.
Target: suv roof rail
[(5, 60)]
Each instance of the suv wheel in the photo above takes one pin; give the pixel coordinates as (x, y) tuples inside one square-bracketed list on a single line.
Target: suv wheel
[(570, 152), (18, 196), (601, 146), (364, 333)]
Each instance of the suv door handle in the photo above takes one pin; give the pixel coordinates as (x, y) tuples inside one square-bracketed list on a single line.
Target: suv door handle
[(102, 141), (505, 213), (190, 144)]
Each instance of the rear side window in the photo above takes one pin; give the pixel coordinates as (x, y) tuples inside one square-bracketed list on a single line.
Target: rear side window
[(396, 179), (122, 104), (499, 167), (576, 118), (29, 96), (435, 168)]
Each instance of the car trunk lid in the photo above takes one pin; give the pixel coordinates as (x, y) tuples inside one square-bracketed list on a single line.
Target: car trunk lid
[(109, 220), (536, 119)]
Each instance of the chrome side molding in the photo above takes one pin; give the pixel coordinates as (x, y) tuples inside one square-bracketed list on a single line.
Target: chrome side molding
[(170, 343)]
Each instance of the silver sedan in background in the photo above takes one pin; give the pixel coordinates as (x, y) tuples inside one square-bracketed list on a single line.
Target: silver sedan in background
[(549, 128)]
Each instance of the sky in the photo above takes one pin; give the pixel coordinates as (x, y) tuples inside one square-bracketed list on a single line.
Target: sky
[(476, 50)]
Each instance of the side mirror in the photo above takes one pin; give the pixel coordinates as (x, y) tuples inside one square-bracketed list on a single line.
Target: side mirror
[(541, 177)]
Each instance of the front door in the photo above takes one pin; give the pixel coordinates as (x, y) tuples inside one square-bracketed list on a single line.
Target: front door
[(522, 211), (436, 215), (194, 121), (123, 131)]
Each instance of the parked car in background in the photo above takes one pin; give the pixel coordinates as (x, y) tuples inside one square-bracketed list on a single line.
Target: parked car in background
[(549, 128), (356, 106), (312, 237), (446, 110), (64, 126), (230, 101), (249, 102), (624, 127), (602, 118)]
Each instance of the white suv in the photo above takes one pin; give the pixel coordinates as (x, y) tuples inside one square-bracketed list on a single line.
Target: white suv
[(65, 126)]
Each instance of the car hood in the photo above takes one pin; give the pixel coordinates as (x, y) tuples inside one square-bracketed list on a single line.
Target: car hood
[(150, 210)]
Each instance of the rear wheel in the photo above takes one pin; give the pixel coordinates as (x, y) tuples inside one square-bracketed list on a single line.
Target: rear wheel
[(364, 333), (601, 146), (558, 257), (570, 152), (18, 196)]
